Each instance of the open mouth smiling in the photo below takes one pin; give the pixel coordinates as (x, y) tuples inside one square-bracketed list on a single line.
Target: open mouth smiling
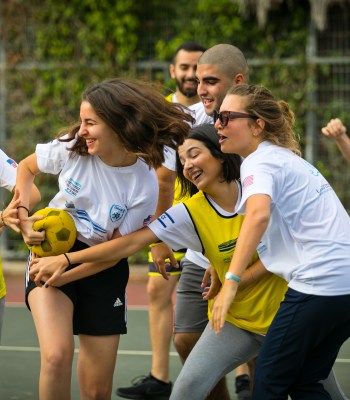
[(89, 141), (195, 175)]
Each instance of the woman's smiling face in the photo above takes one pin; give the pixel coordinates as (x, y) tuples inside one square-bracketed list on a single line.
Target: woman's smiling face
[(199, 165), (100, 138)]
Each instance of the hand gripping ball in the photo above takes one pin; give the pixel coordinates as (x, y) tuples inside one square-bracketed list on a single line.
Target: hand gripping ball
[(60, 232)]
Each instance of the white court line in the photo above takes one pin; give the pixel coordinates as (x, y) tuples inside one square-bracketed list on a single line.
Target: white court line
[(120, 352)]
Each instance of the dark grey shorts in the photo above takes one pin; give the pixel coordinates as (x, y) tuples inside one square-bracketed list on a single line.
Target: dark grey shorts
[(191, 311)]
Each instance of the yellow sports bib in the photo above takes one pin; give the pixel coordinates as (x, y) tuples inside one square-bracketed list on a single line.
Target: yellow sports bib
[(254, 306)]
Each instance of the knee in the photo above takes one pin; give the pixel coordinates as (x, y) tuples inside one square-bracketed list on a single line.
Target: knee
[(99, 392), (56, 361), (180, 347), (158, 292), (184, 343)]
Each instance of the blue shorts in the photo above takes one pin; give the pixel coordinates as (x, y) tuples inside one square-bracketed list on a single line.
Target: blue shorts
[(99, 300)]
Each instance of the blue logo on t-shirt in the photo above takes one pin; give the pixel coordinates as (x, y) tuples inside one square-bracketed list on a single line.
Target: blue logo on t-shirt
[(116, 212)]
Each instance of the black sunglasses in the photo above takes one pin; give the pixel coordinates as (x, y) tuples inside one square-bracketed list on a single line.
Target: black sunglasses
[(225, 116)]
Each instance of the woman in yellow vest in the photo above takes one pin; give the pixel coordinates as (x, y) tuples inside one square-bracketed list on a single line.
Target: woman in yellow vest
[(206, 222)]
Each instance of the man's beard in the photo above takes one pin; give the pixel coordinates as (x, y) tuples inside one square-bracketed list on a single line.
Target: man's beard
[(189, 92)]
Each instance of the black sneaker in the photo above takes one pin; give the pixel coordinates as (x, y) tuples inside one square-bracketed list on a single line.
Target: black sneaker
[(147, 388), (243, 387)]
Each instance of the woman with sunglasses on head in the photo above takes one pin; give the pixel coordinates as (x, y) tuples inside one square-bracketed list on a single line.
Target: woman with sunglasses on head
[(302, 233), (107, 183), (208, 223)]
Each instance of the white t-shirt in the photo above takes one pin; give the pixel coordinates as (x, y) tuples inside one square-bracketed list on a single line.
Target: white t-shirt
[(169, 158), (307, 241), (197, 111), (99, 197), (8, 170)]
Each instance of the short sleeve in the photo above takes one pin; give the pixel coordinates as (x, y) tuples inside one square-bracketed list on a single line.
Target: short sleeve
[(51, 157), (176, 229), (8, 172)]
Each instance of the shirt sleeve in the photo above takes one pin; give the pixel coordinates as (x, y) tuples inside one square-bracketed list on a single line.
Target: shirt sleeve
[(8, 172), (175, 228), (51, 157)]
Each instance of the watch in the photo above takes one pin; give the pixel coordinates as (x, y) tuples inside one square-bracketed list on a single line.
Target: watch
[(229, 275)]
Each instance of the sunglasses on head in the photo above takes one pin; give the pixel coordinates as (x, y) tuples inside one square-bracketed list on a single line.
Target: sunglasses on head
[(225, 116)]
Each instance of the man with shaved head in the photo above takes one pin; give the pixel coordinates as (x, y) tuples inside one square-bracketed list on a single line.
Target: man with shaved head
[(218, 68)]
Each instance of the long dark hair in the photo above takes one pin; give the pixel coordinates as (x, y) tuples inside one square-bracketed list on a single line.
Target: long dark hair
[(207, 134), (143, 120)]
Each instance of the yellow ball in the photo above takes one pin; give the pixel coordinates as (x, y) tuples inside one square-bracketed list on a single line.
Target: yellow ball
[(60, 232)]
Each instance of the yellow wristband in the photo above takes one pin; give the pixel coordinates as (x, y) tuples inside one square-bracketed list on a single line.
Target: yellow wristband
[(155, 244)]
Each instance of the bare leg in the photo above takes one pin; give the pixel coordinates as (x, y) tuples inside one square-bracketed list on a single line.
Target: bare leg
[(52, 313), (96, 364), (251, 364), (184, 343), (161, 323)]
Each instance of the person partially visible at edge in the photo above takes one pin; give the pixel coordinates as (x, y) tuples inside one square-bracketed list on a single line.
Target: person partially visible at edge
[(301, 230), (336, 131), (107, 183), (8, 216)]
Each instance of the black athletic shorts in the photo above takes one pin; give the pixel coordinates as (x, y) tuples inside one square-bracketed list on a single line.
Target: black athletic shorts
[(99, 300)]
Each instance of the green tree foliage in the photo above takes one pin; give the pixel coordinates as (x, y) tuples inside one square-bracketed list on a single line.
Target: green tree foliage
[(56, 49)]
